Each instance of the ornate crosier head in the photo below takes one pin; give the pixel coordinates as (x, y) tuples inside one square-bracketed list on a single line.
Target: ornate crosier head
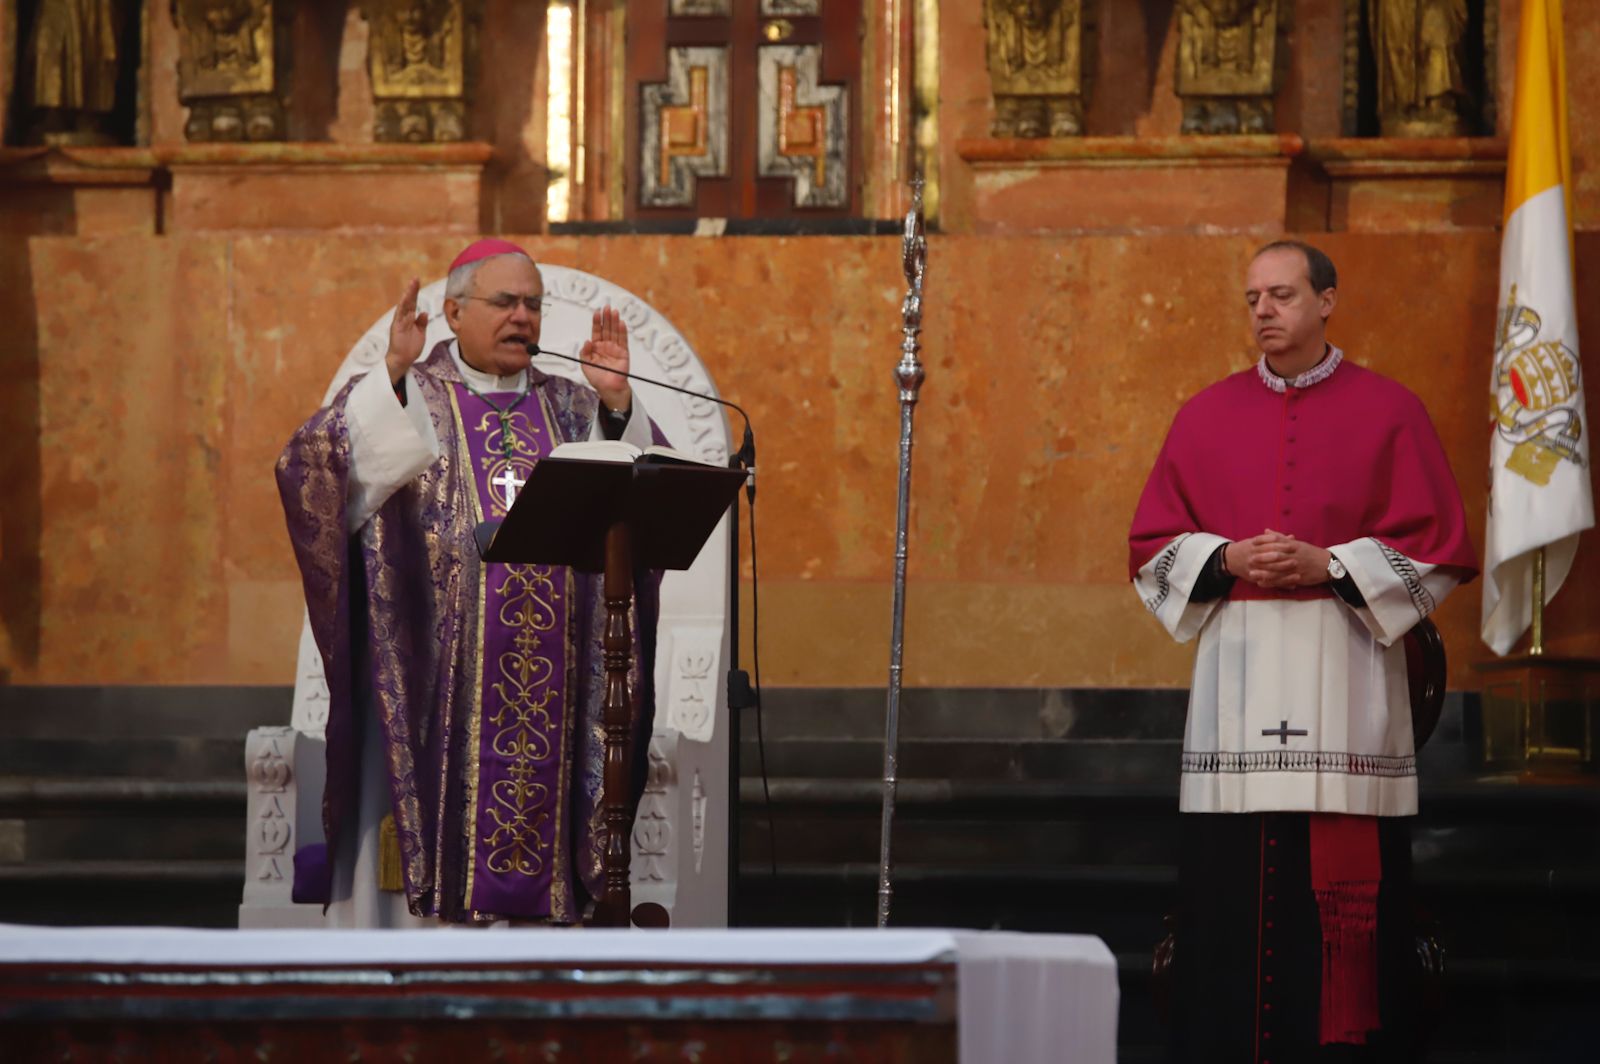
[(914, 247), (914, 260)]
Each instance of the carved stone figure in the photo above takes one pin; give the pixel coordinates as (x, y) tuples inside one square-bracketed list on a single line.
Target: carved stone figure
[(1417, 46), (1227, 51), (417, 60), (1036, 73), (70, 85), (227, 69)]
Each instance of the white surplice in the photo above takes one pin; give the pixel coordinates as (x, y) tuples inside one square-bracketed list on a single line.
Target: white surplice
[(1265, 670)]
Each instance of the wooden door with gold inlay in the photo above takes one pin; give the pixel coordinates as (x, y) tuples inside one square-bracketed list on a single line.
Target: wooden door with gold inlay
[(743, 108)]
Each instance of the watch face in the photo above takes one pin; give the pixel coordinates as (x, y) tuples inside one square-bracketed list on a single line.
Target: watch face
[(1336, 569)]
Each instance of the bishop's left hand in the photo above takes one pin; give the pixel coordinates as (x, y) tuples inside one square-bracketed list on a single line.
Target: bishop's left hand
[(1288, 563), (608, 345)]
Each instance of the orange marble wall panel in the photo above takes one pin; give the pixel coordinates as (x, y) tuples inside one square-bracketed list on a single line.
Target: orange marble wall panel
[(1400, 204), (205, 198), (115, 211), (1582, 38), (1246, 196), (38, 210), (132, 365), (143, 535)]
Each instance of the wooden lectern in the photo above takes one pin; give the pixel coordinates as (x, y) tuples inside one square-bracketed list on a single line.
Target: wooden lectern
[(654, 512)]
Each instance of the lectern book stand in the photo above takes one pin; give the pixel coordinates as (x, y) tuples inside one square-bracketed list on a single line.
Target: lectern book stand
[(653, 512)]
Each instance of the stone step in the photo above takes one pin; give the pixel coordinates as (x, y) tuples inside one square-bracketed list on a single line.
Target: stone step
[(154, 893), (972, 713), (46, 796), (1048, 760), (107, 715), (122, 838), (159, 757), (120, 819)]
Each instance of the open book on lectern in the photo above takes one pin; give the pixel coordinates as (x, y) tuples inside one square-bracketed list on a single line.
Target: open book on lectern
[(670, 502), (619, 451)]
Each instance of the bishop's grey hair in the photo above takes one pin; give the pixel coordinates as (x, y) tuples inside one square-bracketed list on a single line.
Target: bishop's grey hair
[(459, 282)]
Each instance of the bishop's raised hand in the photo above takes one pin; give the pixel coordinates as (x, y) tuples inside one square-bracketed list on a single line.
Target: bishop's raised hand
[(406, 334), (608, 346)]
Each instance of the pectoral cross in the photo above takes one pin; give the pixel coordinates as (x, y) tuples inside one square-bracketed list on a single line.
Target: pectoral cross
[(1283, 731), (510, 483)]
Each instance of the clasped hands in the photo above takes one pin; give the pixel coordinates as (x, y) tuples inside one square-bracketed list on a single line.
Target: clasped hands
[(1277, 560)]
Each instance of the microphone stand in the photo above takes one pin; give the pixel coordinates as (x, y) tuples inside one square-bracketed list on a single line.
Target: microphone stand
[(741, 694)]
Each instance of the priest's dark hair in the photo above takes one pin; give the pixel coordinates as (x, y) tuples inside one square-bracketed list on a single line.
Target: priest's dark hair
[(1318, 266)]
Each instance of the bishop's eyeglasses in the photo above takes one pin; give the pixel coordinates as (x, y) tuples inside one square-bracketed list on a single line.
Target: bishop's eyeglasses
[(506, 302)]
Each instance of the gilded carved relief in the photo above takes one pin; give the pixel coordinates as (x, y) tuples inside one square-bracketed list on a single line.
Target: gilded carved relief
[(1418, 47), (802, 126), (1036, 68), (1227, 51), (417, 59), (227, 69), (70, 68), (699, 7), (683, 127)]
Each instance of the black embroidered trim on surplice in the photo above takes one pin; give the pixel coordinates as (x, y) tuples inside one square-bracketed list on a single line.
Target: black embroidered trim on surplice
[(1335, 761), (1163, 572), (1421, 597)]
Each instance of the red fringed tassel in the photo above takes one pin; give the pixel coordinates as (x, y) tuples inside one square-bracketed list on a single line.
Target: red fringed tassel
[(1345, 873)]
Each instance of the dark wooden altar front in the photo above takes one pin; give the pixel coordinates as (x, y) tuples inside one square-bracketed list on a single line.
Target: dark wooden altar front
[(895, 1014)]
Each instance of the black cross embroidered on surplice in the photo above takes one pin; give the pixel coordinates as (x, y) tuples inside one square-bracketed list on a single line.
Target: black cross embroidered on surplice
[(1283, 731)]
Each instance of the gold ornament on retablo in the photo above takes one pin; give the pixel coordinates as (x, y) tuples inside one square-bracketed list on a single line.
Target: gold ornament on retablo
[(1035, 54)]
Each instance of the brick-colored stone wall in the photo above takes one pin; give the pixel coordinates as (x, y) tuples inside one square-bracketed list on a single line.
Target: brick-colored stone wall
[(150, 379), (143, 540)]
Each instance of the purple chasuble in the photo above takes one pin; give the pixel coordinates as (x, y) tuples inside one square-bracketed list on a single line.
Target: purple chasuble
[(517, 793), (485, 682)]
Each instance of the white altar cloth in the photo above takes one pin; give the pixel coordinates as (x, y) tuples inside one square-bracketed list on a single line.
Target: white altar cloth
[(1022, 998)]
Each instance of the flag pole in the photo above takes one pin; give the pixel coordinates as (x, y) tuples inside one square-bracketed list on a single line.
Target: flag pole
[(1537, 649)]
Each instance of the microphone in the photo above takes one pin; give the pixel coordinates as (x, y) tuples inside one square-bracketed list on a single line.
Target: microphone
[(744, 458)]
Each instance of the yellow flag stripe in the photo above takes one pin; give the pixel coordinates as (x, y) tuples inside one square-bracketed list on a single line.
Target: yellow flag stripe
[(1538, 158)]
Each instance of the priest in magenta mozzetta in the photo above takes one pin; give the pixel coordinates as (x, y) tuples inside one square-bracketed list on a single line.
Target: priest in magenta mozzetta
[(1300, 519), (465, 780)]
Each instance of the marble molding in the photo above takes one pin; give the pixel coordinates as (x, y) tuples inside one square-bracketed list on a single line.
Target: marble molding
[(1369, 184), (207, 187), (314, 186), (79, 191), (1123, 184)]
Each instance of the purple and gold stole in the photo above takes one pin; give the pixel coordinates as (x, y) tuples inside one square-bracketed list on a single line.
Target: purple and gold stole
[(518, 820)]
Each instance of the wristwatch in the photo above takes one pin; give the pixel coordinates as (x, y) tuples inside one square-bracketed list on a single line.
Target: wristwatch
[(1336, 569)]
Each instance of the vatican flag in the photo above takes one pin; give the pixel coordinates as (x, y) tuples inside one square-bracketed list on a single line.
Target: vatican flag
[(1539, 493)]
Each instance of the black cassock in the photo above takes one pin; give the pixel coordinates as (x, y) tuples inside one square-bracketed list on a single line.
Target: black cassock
[(1247, 964)]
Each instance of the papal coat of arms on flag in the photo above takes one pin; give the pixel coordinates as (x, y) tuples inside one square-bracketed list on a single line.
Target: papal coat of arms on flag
[(1538, 391)]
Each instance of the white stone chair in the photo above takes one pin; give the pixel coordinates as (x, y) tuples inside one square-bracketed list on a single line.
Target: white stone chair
[(680, 837)]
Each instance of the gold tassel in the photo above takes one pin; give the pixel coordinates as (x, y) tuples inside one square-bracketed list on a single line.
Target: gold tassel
[(389, 856)]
